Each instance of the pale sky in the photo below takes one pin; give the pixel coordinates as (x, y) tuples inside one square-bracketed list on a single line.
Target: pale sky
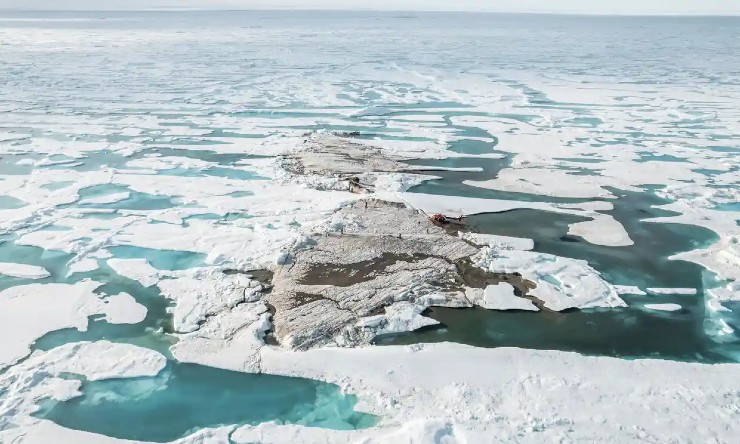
[(563, 6)]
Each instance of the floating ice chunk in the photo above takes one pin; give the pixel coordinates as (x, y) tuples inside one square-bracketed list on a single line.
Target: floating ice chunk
[(26, 161), (282, 257), (456, 205), (201, 293), (683, 291), (374, 110), (103, 360), (393, 182), (123, 309), (107, 199), (24, 271), (136, 269), (562, 283), (663, 307), (629, 289), (602, 230), (543, 181), (728, 293), (716, 323), (38, 377), (398, 318), (83, 266), (501, 297), (230, 340), (28, 312)]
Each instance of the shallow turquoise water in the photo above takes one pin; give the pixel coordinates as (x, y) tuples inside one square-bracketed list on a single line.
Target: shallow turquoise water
[(161, 259), (136, 200), (730, 206), (55, 262), (186, 397), (11, 203)]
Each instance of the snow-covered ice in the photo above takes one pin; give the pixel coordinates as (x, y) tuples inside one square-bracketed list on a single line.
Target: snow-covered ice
[(501, 297), (23, 271), (681, 291), (562, 283), (27, 312), (663, 307)]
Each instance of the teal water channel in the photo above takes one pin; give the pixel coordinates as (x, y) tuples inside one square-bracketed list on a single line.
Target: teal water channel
[(632, 332)]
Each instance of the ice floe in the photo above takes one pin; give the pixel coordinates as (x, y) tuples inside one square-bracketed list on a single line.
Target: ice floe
[(602, 230), (500, 297), (525, 392), (681, 291), (107, 199), (41, 376), (137, 269), (562, 283), (123, 309), (30, 311), (663, 307), (629, 289), (230, 339), (24, 271), (203, 292)]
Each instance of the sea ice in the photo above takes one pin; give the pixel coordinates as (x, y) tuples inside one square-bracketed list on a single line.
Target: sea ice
[(663, 307), (682, 291), (84, 265), (230, 339), (602, 230), (562, 283), (40, 376), (23, 271), (524, 391), (137, 269), (107, 199), (501, 297), (629, 289), (203, 292), (28, 312), (123, 309)]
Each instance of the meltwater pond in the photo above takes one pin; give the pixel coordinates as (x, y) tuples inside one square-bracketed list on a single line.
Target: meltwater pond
[(188, 397)]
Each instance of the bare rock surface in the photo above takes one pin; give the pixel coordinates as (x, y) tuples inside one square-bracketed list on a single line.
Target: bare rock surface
[(384, 254), (330, 155)]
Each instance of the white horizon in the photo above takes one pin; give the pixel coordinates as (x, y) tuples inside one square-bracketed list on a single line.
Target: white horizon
[(575, 7)]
